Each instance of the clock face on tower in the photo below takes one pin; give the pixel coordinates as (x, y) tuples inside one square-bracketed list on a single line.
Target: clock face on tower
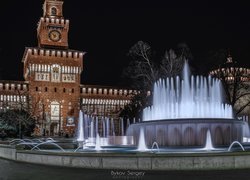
[(54, 35)]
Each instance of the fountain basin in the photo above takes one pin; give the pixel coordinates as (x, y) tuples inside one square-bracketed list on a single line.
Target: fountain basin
[(189, 132), (112, 141), (133, 160), (121, 140)]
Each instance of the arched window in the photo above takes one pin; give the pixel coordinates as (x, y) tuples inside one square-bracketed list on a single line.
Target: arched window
[(53, 11)]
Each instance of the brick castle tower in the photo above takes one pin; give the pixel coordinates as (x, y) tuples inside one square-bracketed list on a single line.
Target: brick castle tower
[(53, 73)]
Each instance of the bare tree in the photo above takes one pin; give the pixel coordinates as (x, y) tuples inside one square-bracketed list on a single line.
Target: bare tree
[(142, 70), (171, 64)]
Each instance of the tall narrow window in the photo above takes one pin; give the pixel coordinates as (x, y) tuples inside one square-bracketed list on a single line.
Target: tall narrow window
[(64, 90), (46, 89), (55, 90), (55, 73), (36, 88), (73, 90)]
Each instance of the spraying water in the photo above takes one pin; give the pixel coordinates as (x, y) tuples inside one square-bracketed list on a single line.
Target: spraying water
[(96, 125), (195, 97), (107, 127), (113, 127), (98, 143), (103, 127), (92, 128), (142, 143), (209, 144), (80, 128), (122, 127)]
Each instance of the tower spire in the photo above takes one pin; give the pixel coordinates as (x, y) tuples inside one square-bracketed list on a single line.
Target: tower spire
[(53, 8), (52, 31)]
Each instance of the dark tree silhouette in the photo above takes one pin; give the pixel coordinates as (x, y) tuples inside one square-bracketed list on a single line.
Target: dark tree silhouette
[(144, 71)]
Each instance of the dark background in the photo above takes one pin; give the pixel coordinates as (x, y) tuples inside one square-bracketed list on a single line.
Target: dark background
[(107, 29)]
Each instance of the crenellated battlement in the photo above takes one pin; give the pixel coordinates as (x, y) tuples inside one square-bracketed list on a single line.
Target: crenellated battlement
[(102, 95), (101, 101), (53, 53), (13, 86), (55, 21), (106, 91)]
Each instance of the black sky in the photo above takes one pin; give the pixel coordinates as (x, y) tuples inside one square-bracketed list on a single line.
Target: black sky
[(107, 29)]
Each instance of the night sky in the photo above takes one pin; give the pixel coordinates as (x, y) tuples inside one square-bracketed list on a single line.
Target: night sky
[(107, 29)]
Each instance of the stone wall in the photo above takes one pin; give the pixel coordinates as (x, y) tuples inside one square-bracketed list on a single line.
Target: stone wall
[(206, 161), (7, 152), (140, 161)]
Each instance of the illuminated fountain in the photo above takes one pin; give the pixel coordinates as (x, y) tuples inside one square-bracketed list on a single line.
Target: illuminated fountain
[(195, 97), (187, 112), (97, 133)]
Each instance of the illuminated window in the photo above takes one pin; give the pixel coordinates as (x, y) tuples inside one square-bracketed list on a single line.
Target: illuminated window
[(55, 73)]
